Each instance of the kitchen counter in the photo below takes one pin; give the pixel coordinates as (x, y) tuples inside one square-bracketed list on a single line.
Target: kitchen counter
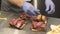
[(6, 29)]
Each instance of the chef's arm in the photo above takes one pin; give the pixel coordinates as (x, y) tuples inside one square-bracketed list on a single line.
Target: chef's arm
[(17, 2), (27, 7)]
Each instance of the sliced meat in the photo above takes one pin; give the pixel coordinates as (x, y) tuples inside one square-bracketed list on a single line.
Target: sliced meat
[(43, 26), (19, 23), (34, 25), (13, 22), (38, 24)]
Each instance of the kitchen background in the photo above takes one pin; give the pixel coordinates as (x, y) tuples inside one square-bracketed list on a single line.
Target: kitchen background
[(40, 5)]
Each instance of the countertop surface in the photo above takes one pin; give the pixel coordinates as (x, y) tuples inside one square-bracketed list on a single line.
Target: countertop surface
[(6, 29)]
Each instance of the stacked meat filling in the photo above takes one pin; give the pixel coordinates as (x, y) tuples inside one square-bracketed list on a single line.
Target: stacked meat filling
[(39, 22), (19, 22)]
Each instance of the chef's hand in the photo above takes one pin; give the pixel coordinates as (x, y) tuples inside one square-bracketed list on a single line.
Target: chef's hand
[(49, 5), (29, 9)]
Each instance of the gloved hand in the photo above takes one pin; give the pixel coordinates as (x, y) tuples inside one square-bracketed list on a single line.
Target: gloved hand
[(49, 5), (29, 9)]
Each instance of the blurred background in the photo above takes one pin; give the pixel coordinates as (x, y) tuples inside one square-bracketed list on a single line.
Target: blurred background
[(42, 7), (37, 4), (0, 4)]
